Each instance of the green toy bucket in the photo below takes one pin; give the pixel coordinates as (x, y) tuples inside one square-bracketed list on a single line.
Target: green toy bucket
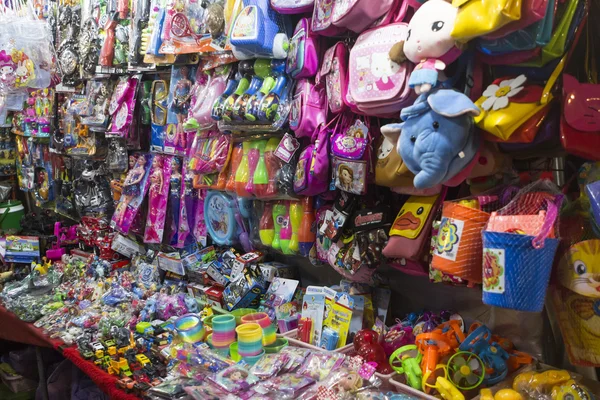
[(11, 213)]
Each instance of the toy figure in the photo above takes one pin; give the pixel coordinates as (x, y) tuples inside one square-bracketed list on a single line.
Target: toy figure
[(175, 194), (429, 44), (181, 104), (43, 189), (154, 193), (131, 186), (7, 70)]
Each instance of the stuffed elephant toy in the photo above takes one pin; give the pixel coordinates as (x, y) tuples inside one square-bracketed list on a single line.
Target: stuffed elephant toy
[(437, 138)]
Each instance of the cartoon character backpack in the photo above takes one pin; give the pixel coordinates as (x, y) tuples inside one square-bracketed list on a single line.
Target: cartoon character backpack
[(308, 108), (312, 170), (304, 52), (335, 71)]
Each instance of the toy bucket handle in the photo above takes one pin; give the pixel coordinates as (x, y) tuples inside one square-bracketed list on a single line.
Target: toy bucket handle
[(551, 215), (508, 194)]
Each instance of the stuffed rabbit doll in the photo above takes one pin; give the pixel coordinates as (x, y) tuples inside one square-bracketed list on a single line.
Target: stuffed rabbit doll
[(429, 44)]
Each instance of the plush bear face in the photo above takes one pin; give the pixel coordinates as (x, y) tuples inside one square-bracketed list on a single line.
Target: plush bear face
[(429, 31)]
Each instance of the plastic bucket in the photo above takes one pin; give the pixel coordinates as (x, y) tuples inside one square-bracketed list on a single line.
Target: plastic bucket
[(458, 250), (11, 213), (515, 273)]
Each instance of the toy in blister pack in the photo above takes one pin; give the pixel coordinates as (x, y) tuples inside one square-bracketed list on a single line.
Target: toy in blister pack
[(224, 222), (122, 105), (206, 89), (91, 190), (140, 15), (158, 192), (134, 190), (259, 31), (98, 95), (189, 210), (179, 105)]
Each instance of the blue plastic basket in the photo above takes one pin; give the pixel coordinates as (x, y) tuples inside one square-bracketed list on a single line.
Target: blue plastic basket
[(516, 274)]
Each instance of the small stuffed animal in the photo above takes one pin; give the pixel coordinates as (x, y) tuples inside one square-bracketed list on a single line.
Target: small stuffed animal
[(437, 138), (429, 44)]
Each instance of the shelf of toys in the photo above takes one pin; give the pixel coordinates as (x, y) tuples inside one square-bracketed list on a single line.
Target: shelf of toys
[(312, 199)]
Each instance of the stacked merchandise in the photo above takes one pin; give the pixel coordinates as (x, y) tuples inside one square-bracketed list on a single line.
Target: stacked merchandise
[(173, 152)]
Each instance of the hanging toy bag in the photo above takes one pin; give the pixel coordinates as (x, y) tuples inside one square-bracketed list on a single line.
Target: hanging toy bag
[(519, 244), (458, 249)]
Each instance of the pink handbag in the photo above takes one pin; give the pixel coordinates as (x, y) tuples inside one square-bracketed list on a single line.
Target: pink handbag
[(308, 109), (377, 85), (292, 6), (531, 12), (335, 71), (312, 169), (303, 56), (357, 15), (322, 23)]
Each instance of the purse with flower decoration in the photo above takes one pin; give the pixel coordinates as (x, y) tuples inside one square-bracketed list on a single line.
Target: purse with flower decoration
[(508, 104)]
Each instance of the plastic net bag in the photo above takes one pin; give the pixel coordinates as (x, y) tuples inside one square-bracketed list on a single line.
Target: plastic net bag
[(519, 245)]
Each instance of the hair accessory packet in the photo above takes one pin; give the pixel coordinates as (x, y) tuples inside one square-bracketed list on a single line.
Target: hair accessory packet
[(286, 386), (318, 365), (357, 256), (269, 365), (410, 233), (234, 379)]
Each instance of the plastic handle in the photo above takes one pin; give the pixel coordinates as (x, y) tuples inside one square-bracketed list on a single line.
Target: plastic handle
[(551, 215)]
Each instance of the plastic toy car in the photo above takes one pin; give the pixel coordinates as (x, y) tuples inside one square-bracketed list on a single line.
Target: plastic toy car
[(142, 359), (126, 384)]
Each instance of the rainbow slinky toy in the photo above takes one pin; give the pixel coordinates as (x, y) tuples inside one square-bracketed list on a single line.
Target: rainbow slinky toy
[(223, 331), (250, 338), (268, 329), (190, 328)]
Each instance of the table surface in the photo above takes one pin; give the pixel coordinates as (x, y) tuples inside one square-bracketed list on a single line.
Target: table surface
[(15, 330)]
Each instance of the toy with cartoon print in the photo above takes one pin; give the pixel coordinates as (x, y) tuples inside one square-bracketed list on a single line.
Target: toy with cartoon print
[(437, 140), (495, 358), (429, 44), (259, 31)]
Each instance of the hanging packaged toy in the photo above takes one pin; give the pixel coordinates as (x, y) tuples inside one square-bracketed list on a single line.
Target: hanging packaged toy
[(158, 192), (259, 31), (122, 105), (69, 21), (179, 104), (224, 221), (176, 188), (134, 190), (438, 142), (429, 44), (189, 218), (98, 95)]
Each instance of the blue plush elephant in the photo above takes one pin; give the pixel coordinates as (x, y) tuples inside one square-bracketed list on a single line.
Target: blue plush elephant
[(437, 138)]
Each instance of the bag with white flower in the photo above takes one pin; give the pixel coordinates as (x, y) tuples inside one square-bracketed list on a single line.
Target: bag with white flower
[(508, 104)]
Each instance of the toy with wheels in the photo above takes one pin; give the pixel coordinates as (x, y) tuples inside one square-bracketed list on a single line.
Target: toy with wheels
[(259, 31), (433, 345), (221, 220), (493, 355), (406, 360), (466, 371)]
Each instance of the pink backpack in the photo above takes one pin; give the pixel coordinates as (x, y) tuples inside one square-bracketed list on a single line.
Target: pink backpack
[(357, 15), (377, 85), (292, 6), (308, 109), (322, 19), (312, 170), (303, 56), (335, 71)]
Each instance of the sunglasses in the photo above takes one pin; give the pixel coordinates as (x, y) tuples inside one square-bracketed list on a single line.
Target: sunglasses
[(158, 102)]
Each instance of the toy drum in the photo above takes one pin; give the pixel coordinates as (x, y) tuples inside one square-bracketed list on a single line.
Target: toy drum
[(190, 328), (458, 249), (515, 272), (268, 328), (250, 339)]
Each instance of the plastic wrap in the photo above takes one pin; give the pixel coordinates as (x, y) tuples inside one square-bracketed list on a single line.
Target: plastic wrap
[(158, 193)]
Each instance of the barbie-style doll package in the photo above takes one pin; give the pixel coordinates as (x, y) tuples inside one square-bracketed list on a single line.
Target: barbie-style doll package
[(180, 96), (135, 187), (158, 193)]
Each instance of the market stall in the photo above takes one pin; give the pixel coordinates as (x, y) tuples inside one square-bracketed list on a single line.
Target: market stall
[(312, 199)]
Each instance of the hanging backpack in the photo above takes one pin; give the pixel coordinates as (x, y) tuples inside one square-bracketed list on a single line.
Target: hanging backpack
[(312, 170)]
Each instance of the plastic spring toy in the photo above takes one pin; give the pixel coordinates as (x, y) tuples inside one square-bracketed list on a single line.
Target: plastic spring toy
[(493, 355), (407, 360)]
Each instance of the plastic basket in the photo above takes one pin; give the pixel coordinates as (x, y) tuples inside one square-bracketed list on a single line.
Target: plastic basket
[(516, 273), (459, 249)]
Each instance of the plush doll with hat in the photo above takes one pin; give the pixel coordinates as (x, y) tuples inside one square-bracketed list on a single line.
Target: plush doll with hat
[(429, 44)]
